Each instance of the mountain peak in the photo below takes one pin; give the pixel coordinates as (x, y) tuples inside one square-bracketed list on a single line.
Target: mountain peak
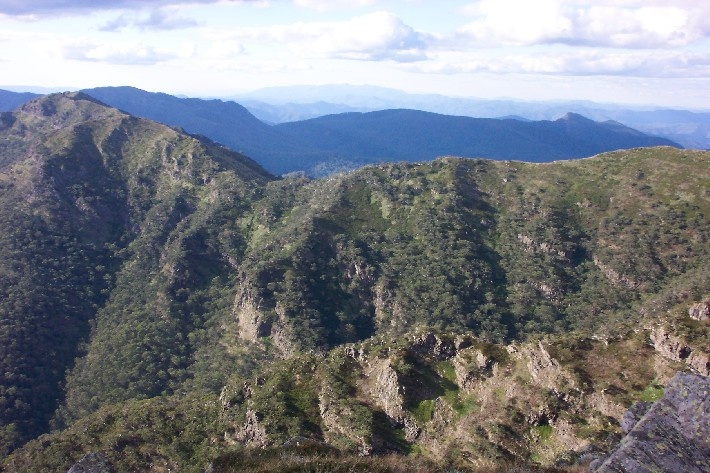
[(69, 107), (574, 117)]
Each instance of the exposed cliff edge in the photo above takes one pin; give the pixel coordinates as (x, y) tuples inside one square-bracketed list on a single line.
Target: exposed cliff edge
[(673, 435), (547, 402)]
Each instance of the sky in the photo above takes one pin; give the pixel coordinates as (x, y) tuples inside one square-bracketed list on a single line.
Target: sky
[(643, 52)]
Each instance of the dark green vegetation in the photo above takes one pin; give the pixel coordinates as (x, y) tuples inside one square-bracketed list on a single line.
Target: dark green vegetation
[(347, 140), (88, 195), (166, 302)]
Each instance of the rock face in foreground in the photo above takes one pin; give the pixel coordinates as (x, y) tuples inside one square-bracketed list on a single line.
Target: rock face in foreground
[(674, 435)]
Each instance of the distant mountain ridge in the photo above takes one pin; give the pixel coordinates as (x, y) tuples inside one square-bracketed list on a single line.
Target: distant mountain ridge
[(10, 100), (341, 141), (349, 140), (279, 104), (413, 135), (226, 122)]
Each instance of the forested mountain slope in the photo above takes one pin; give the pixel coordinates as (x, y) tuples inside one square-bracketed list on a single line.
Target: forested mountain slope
[(223, 121), (84, 188), (172, 267)]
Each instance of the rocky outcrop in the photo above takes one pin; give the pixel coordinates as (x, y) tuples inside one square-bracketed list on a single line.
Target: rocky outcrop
[(434, 346), (701, 310), (633, 415), (544, 247), (249, 318), (605, 404), (437, 391), (614, 276), (338, 419), (91, 463), (344, 420), (672, 347), (281, 336), (230, 397), (673, 435), (252, 432), (388, 393), (470, 365), (544, 369), (388, 310)]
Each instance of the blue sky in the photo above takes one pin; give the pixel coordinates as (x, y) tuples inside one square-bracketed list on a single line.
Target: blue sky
[(623, 51)]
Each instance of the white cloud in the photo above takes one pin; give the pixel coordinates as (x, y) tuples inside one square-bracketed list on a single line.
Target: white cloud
[(129, 53), (376, 36), (225, 50), (166, 18), (73, 7), (580, 63), (373, 37), (259, 67), (323, 5), (623, 24)]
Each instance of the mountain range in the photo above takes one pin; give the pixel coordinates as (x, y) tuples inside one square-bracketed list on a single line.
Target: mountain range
[(343, 141), (167, 304), (409, 135), (690, 128)]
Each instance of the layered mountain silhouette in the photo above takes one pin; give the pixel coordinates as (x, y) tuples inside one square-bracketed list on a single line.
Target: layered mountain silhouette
[(349, 140), (293, 103), (411, 135)]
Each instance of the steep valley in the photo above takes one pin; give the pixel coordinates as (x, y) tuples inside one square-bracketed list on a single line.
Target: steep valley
[(168, 305)]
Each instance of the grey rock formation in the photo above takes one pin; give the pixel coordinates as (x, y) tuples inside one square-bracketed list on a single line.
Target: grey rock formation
[(700, 311), (634, 414), (674, 348), (91, 463), (673, 436), (253, 432)]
